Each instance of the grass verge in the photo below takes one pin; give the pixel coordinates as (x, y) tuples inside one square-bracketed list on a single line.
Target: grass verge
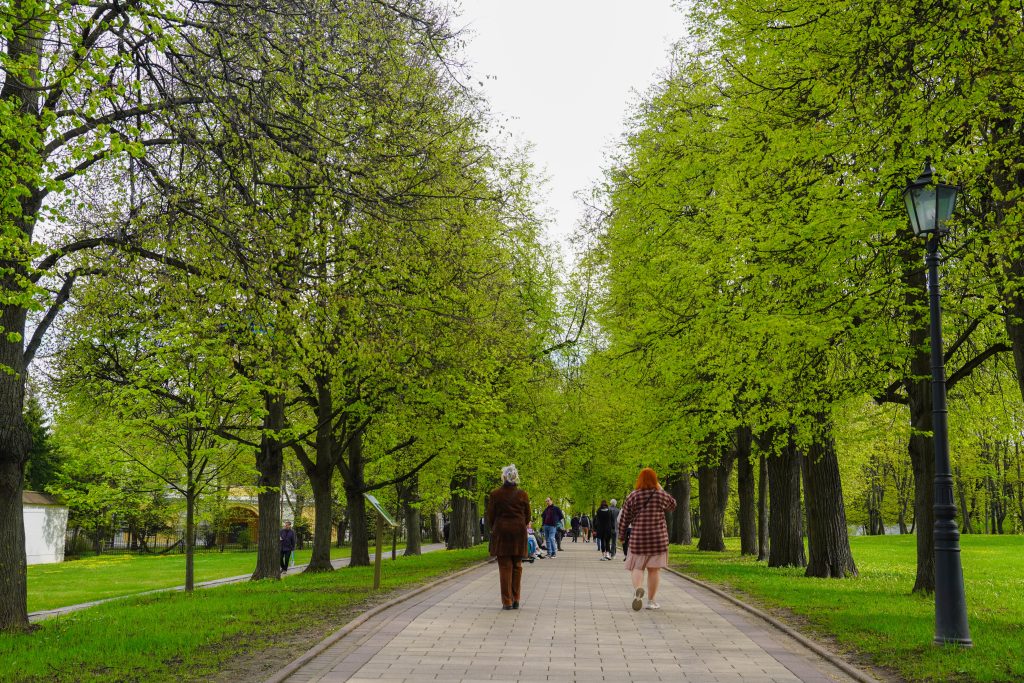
[(251, 628), (876, 617), (108, 576)]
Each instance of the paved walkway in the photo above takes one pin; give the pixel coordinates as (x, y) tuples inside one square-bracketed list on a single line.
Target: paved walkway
[(575, 624), (297, 569)]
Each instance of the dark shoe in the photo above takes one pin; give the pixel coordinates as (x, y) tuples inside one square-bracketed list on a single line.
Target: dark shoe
[(506, 607), (515, 605)]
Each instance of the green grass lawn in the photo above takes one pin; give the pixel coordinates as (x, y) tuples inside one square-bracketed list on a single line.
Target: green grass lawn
[(108, 576), (177, 636), (877, 617)]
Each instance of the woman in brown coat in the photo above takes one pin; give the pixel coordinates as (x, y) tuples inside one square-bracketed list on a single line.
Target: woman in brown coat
[(508, 513)]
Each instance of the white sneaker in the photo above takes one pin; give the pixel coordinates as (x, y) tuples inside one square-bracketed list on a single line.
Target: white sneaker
[(653, 605), (638, 599)]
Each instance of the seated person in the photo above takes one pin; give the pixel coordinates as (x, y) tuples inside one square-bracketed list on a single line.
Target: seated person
[(533, 547)]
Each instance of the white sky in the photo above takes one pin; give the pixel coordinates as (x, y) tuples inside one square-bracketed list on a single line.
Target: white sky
[(565, 72)]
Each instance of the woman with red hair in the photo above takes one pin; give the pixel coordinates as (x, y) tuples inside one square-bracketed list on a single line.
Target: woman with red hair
[(645, 510)]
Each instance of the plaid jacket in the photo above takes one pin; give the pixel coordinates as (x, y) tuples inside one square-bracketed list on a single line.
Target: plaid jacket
[(645, 509)]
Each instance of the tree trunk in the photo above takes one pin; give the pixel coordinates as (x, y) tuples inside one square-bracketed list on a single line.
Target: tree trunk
[(25, 46), (965, 514), (745, 491), (342, 527), (356, 504), (463, 489), (919, 402), (13, 562), (477, 527), (321, 473), (762, 509), (15, 444), (270, 464), (323, 504), (435, 529), (190, 535), (828, 542), (410, 500), (711, 532), (679, 530), (786, 545), (683, 501)]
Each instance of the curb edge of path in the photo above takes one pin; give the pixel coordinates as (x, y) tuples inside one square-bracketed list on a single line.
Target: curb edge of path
[(825, 654), (320, 647)]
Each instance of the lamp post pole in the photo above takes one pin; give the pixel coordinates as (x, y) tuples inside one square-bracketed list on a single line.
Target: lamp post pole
[(950, 600)]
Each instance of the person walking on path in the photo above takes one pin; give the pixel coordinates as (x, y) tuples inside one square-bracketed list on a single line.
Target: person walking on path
[(287, 537), (615, 526), (508, 514), (574, 525), (603, 521), (585, 525), (645, 510), (551, 519)]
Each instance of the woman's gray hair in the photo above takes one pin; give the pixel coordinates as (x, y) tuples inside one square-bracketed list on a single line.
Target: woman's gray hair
[(510, 474)]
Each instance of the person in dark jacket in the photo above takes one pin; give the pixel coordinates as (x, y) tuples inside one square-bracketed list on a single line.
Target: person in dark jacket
[(551, 519), (603, 522), (287, 538), (615, 526), (508, 513)]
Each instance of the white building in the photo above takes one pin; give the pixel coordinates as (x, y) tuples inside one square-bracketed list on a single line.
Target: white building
[(46, 523)]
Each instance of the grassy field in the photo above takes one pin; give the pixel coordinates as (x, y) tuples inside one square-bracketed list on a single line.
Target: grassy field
[(876, 616), (108, 576), (237, 632)]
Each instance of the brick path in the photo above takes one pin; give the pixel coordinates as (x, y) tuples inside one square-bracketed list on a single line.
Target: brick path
[(575, 624)]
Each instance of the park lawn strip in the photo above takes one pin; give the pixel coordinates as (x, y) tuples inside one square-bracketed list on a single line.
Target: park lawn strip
[(109, 576), (875, 616), (176, 636)]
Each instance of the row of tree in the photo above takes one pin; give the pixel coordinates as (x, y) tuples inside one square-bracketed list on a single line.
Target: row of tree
[(261, 228), (761, 296)]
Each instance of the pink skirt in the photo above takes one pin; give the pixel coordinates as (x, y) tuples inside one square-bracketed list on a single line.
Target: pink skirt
[(659, 561)]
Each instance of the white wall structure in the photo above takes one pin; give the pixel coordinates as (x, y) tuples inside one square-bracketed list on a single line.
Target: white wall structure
[(46, 524)]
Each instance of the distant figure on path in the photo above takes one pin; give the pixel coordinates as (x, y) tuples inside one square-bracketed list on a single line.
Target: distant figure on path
[(574, 526), (287, 537), (615, 526), (603, 521), (551, 519), (645, 510), (508, 514), (585, 524)]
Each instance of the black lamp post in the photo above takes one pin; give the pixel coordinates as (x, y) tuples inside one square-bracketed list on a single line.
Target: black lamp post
[(930, 205)]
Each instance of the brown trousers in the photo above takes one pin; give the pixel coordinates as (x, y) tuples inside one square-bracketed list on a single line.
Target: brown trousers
[(510, 575)]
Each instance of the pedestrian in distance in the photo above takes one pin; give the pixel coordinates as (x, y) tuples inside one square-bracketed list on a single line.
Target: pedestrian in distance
[(287, 538), (551, 519), (574, 525), (603, 521), (615, 526), (508, 514), (645, 510), (585, 526)]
